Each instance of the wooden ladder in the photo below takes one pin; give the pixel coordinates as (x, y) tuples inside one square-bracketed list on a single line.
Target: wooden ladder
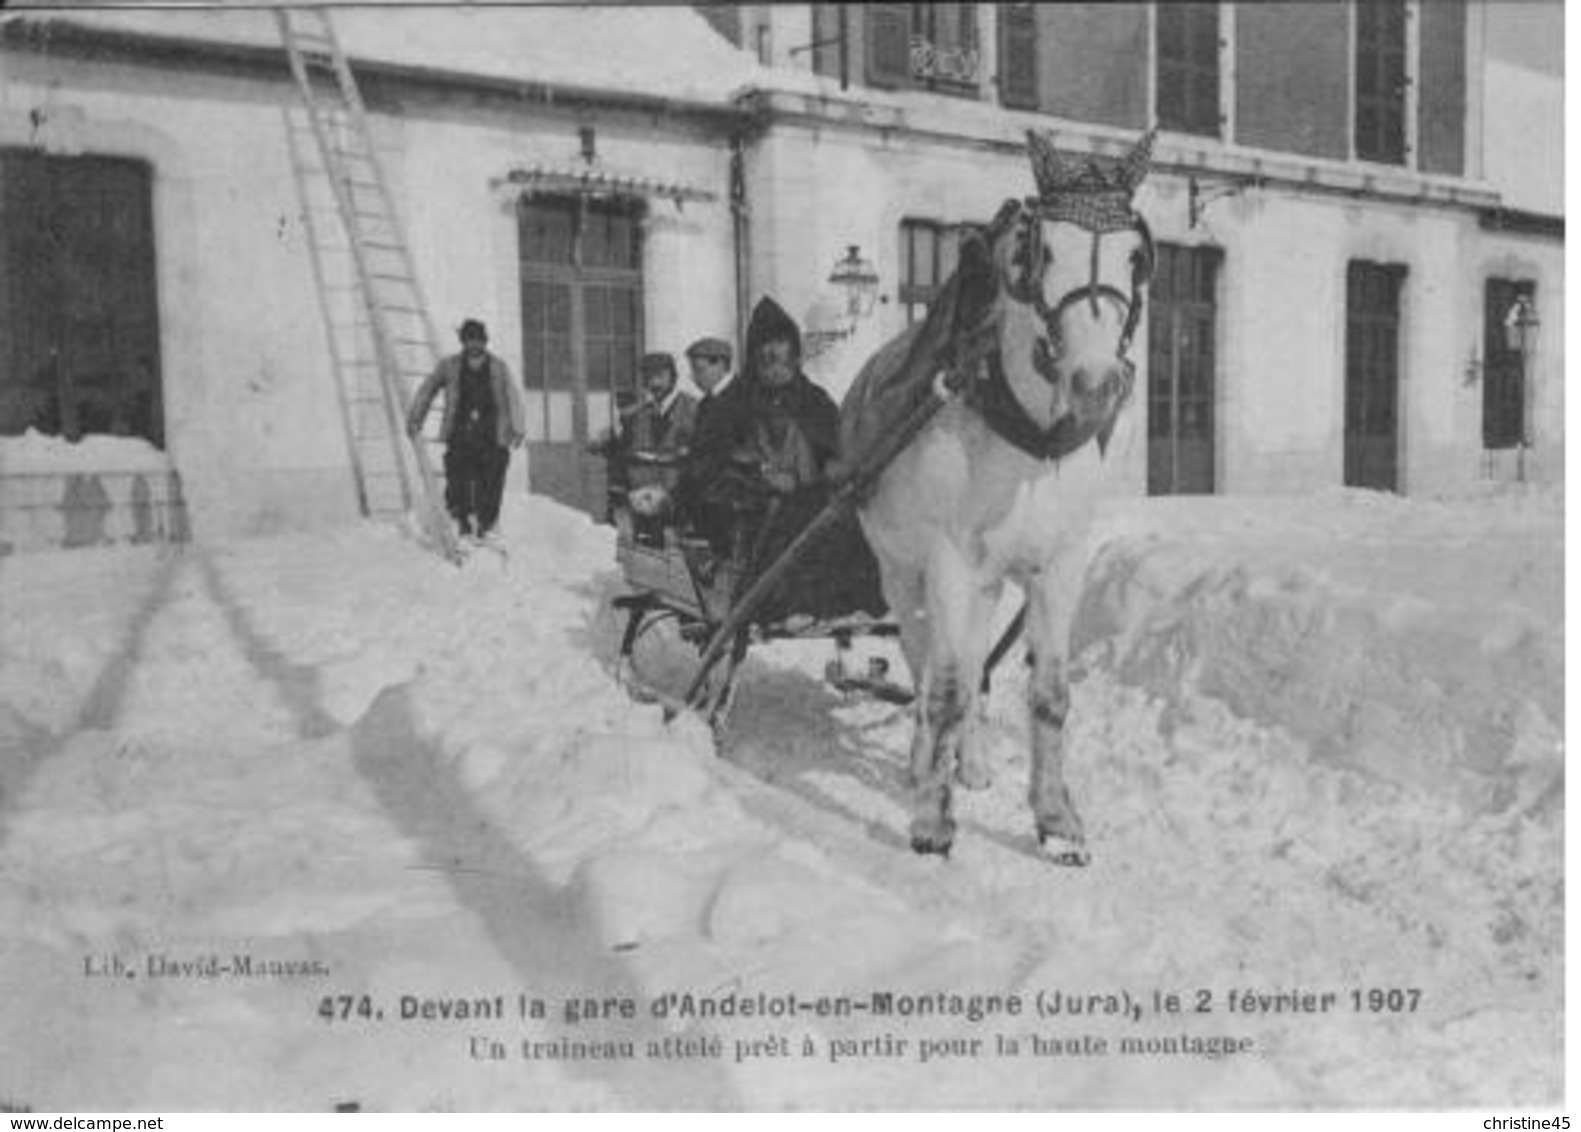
[(382, 339)]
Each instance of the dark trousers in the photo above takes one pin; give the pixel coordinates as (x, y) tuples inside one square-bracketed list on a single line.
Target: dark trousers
[(475, 484)]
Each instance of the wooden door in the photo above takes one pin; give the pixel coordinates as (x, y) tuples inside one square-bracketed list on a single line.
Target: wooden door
[(1372, 375), (581, 335), (1181, 363), (79, 314)]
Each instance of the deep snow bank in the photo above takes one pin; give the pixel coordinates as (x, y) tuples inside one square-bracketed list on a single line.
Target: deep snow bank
[(1420, 642), (343, 747)]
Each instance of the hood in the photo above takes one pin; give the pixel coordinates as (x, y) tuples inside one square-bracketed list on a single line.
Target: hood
[(769, 320)]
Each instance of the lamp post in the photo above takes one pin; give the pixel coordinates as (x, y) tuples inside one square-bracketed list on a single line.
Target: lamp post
[(856, 281), (859, 280), (1520, 335)]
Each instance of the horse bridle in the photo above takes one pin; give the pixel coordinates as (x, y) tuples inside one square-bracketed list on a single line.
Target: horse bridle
[(1031, 258)]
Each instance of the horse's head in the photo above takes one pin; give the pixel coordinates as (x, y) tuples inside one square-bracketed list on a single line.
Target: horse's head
[(1062, 276)]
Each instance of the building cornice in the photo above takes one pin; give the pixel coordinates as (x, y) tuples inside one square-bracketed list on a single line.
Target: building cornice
[(56, 35), (1523, 223), (977, 126)]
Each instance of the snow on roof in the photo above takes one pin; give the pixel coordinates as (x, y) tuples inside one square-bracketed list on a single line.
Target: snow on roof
[(668, 52)]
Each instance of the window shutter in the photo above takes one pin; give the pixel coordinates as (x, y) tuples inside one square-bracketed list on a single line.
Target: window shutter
[(889, 45), (1018, 56), (1441, 115), (826, 40), (1292, 77), (1096, 58)]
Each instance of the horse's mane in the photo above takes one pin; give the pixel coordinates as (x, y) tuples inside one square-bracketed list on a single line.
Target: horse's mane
[(900, 375)]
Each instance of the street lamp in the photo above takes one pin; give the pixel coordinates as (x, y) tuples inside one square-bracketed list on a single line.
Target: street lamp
[(1520, 335), (855, 276), (836, 312)]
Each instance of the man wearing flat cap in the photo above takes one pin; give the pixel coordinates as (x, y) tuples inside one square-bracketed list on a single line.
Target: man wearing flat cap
[(724, 427), (485, 416), (654, 437)]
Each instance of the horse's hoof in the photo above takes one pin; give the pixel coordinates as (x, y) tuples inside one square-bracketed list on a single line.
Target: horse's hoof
[(1063, 851), (926, 847), (932, 839)]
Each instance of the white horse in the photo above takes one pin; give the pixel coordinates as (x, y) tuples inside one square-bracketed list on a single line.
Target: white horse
[(1001, 484)]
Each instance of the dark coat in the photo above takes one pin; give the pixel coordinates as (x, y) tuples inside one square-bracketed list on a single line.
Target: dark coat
[(797, 430), (797, 425), (721, 429), (654, 443)]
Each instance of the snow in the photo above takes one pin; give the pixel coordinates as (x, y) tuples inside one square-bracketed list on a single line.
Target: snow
[(34, 453), (1316, 742), (663, 51)]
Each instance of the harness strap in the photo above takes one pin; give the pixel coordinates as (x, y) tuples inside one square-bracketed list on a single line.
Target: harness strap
[(993, 400)]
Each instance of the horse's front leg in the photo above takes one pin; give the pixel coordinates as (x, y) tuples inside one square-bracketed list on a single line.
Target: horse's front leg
[(1053, 594), (958, 612)]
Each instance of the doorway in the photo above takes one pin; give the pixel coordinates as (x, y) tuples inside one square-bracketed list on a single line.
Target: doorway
[(1182, 359), (1372, 374), (581, 294)]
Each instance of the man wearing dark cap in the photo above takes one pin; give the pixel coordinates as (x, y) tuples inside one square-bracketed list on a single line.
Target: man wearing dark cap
[(722, 432), (485, 416)]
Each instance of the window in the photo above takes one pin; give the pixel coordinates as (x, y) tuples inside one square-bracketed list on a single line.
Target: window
[(928, 46), (928, 253), (1381, 80), (1187, 57), (725, 19), (79, 316), (828, 40), (1503, 366), (581, 294), (1018, 56)]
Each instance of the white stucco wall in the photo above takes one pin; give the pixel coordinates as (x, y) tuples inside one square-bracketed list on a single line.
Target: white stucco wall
[(1281, 332), (250, 409), (1523, 141), (252, 420)]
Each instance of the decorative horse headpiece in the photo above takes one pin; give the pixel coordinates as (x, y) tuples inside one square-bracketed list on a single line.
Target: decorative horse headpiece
[(1091, 190)]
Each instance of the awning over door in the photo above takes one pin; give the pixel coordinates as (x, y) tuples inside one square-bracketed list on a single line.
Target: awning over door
[(595, 180)]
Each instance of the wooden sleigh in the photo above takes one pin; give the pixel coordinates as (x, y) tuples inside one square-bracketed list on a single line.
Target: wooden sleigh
[(692, 615)]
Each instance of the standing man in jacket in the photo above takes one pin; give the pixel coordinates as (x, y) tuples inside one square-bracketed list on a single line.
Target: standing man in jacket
[(485, 416)]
